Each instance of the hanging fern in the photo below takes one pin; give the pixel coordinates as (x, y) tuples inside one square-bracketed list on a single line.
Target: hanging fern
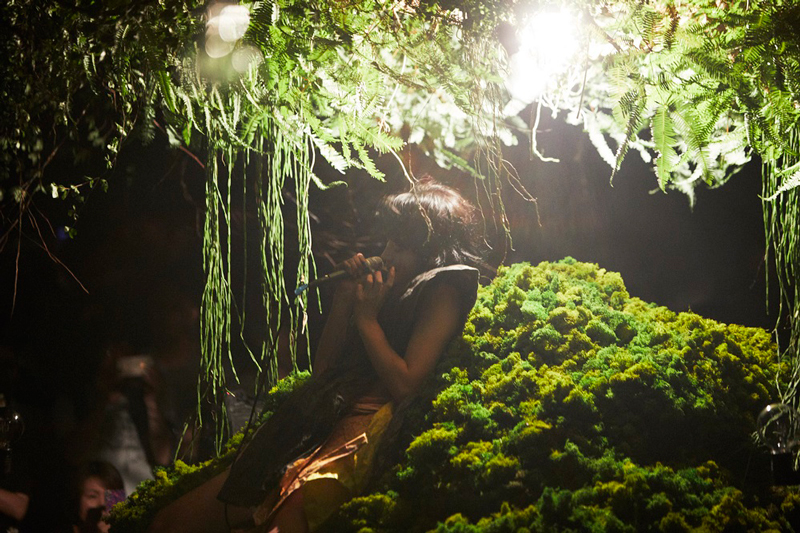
[(664, 140)]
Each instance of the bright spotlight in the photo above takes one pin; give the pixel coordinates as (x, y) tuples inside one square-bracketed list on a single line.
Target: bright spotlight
[(551, 37), (548, 44)]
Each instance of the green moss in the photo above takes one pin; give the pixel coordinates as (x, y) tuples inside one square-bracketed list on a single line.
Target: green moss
[(611, 413), (570, 406)]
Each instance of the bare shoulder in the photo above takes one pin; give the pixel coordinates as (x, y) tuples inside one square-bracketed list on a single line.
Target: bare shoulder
[(439, 303), (436, 323)]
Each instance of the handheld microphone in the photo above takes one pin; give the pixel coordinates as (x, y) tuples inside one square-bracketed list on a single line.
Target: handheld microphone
[(373, 264)]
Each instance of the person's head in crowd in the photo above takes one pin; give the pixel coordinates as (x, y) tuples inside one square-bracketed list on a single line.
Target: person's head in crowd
[(99, 487)]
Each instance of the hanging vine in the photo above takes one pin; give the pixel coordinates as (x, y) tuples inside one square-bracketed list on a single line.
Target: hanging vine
[(781, 207)]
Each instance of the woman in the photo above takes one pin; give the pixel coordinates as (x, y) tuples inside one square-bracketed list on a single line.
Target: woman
[(382, 339), (100, 487)]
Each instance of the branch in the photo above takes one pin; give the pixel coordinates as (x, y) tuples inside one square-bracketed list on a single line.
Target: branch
[(52, 257), (180, 146)]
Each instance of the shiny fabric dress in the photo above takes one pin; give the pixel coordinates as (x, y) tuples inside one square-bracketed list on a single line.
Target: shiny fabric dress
[(324, 437)]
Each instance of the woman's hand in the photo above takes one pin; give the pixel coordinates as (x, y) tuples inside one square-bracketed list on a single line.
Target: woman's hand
[(345, 294), (370, 293)]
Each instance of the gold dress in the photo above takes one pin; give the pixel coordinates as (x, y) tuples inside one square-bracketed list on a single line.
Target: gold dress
[(336, 470)]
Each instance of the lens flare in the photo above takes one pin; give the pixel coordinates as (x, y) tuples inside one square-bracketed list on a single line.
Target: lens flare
[(233, 22), (227, 24), (245, 58)]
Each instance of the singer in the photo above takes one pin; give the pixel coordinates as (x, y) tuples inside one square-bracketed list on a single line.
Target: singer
[(382, 339)]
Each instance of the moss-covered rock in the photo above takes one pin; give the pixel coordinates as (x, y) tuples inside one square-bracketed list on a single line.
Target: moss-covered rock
[(570, 406)]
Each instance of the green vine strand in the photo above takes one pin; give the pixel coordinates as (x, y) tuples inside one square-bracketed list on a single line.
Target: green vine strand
[(781, 207)]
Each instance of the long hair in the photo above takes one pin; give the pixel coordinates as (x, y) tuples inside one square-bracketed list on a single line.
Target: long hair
[(433, 220)]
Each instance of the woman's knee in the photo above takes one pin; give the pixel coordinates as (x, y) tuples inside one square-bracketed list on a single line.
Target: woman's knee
[(196, 511), (290, 517)]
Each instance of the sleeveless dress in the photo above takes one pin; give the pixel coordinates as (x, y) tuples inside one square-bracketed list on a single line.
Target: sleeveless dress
[(324, 437)]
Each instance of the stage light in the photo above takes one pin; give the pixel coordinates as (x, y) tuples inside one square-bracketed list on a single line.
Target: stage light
[(548, 45)]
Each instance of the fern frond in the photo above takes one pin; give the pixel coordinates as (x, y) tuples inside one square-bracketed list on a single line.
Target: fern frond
[(385, 143), (792, 183), (631, 106), (648, 20), (167, 90), (369, 164), (262, 18), (333, 157), (663, 134), (674, 19), (187, 102), (702, 159), (449, 159)]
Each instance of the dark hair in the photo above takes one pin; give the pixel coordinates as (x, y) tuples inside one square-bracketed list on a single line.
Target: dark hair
[(105, 472), (434, 220)]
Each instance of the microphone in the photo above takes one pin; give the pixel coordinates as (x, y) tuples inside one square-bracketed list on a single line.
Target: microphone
[(373, 264)]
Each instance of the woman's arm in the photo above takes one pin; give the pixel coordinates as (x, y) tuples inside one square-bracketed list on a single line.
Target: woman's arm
[(14, 504), (334, 333), (436, 323), (331, 342)]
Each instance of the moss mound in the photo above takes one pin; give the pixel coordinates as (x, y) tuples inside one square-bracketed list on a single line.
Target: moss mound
[(570, 406)]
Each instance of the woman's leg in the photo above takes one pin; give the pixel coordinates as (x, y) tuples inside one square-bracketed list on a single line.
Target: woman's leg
[(291, 517), (309, 506), (199, 511)]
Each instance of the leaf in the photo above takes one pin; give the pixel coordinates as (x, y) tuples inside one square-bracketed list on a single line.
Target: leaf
[(630, 105), (384, 143), (448, 159), (262, 17), (369, 164), (173, 137), (187, 133), (167, 90), (704, 163), (595, 131), (791, 183), (664, 139), (188, 103), (324, 187), (333, 157)]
